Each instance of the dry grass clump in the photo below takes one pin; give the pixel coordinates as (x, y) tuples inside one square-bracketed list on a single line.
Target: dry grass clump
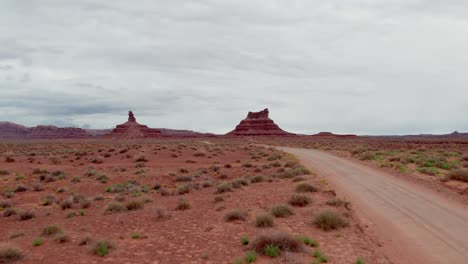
[(5, 204), (283, 241), (161, 213), (102, 247), (305, 187), (460, 175), (264, 220), (299, 200), (224, 187), (7, 212), (281, 210), (51, 230), (26, 215), (9, 253), (329, 220), (115, 207), (183, 204), (235, 215), (134, 205)]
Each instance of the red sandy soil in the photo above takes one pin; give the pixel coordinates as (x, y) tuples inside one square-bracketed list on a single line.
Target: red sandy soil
[(197, 235)]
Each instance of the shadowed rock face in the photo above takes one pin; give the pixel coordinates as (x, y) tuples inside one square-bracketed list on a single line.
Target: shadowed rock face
[(258, 124), (132, 129)]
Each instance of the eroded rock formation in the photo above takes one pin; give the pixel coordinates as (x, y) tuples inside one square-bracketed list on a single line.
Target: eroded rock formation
[(132, 129), (258, 124)]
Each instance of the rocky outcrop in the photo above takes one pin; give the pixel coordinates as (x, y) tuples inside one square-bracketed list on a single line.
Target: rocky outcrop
[(258, 124), (132, 129), (10, 130)]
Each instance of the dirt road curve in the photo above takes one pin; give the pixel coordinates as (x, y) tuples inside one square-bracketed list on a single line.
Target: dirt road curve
[(414, 224)]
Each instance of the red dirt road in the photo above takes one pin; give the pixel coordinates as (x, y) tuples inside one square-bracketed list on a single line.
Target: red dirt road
[(413, 224)]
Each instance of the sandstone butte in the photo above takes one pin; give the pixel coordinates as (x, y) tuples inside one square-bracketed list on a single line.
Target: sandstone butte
[(258, 124), (132, 129)]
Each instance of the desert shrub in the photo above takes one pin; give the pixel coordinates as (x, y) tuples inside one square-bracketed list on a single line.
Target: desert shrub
[(199, 154), (359, 261), (183, 189), (97, 160), (48, 200), (283, 241), (61, 238), (114, 207), (224, 187), (51, 230), (250, 257), (207, 184), (85, 204), (5, 204), (264, 220), (428, 170), (37, 187), (257, 179), (308, 241), (26, 215), (37, 242), (141, 158), (329, 220), (460, 175), (235, 215), (320, 257), (102, 247), (9, 159), (272, 251), (7, 212), (66, 204), (182, 205), (4, 172), (218, 199), (134, 205), (299, 200), (337, 202), (21, 188), (281, 210), (9, 253), (161, 213), (245, 240), (227, 166), (8, 194), (305, 187), (368, 156), (183, 178)]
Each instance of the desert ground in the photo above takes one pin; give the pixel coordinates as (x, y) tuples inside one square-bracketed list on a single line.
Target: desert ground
[(219, 200)]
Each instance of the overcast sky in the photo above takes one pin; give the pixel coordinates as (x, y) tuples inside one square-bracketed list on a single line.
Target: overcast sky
[(354, 66)]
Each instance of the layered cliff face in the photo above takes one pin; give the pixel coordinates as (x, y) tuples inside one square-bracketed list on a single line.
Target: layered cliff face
[(10, 130), (132, 129), (258, 124)]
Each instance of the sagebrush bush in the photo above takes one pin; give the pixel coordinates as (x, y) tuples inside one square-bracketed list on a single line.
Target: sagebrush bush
[(264, 220), (283, 241), (26, 215), (305, 187), (460, 175), (299, 200), (134, 205), (51, 230), (9, 253), (183, 205), (329, 220), (235, 215), (281, 210), (114, 207)]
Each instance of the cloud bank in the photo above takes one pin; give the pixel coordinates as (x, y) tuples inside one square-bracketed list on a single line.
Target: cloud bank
[(357, 66)]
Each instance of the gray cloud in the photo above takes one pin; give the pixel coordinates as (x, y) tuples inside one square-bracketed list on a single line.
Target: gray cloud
[(357, 66)]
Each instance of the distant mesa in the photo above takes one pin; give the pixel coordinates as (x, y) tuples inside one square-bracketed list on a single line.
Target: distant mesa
[(330, 134), (9, 130), (132, 130), (258, 124)]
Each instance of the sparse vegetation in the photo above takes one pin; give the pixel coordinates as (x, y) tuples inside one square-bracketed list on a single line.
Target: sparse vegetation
[(329, 220), (235, 215), (281, 210), (182, 205), (10, 254), (299, 200), (264, 220), (305, 187)]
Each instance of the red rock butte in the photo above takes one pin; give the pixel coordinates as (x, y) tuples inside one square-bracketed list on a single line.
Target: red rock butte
[(258, 124), (132, 129)]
